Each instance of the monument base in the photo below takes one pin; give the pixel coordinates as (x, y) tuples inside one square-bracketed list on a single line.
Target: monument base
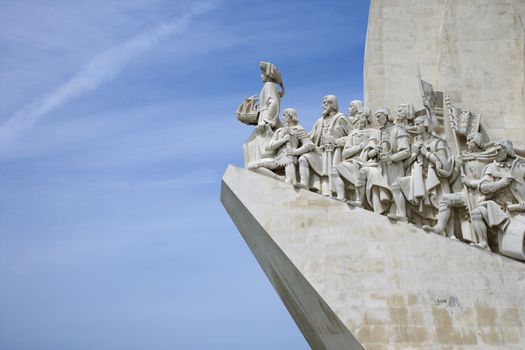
[(351, 279)]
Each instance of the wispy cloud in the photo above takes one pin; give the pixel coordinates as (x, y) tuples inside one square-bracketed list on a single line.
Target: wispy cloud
[(100, 69)]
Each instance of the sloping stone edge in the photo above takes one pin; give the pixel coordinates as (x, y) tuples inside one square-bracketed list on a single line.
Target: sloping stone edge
[(317, 321)]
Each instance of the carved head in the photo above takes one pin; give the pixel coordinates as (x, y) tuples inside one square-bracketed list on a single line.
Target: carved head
[(269, 73), (356, 106), (474, 141), (330, 105), (404, 112), (422, 124), (383, 116), (505, 150), (290, 117), (362, 121)]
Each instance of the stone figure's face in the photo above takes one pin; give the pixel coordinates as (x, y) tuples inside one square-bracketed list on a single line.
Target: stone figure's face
[(288, 118), (382, 118), (419, 125), (471, 145), (402, 113), (473, 142), (502, 153), (353, 108), (328, 106), (361, 121), (264, 78)]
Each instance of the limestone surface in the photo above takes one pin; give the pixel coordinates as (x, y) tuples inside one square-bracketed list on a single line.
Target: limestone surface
[(473, 50), (352, 279)]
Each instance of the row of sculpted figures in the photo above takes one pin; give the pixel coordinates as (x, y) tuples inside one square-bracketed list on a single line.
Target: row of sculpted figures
[(434, 171)]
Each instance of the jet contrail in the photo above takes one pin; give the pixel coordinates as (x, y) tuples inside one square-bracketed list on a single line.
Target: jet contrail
[(95, 72)]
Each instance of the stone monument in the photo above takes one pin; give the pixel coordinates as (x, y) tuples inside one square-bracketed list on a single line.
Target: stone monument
[(410, 235)]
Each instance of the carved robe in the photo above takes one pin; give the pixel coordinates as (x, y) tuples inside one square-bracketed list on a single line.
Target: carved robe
[(493, 201), (323, 158), (255, 153), (269, 105), (381, 176), (299, 139), (493, 210), (474, 165), (348, 169), (426, 181), (461, 197)]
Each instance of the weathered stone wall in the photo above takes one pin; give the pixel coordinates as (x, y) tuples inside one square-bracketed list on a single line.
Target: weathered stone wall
[(346, 273), (474, 50)]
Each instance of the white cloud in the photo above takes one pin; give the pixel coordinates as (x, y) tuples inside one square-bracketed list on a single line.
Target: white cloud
[(98, 70)]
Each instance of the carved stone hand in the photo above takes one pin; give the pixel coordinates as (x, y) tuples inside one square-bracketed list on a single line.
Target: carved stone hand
[(507, 180), (466, 181), (329, 140), (387, 158), (260, 128)]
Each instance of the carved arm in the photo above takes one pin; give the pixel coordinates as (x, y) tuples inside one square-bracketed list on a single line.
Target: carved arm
[(349, 152), (343, 128), (413, 156), (401, 155), (437, 157), (490, 185), (306, 147), (276, 143), (268, 113), (471, 183)]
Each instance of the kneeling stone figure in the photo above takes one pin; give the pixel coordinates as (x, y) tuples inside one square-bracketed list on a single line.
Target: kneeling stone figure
[(289, 142)]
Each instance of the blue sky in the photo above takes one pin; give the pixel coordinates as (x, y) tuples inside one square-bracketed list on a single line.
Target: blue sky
[(116, 125)]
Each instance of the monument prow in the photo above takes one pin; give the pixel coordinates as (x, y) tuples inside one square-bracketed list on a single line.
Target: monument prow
[(353, 279)]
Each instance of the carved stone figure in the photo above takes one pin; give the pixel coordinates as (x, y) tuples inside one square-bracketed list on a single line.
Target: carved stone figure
[(405, 115), (472, 191), (356, 108), (502, 198), (360, 143), (289, 142), (378, 183), (477, 155), (473, 160), (428, 170), (329, 136), (270, 97), (268, 108)]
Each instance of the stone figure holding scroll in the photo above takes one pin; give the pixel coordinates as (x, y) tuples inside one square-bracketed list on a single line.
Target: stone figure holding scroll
[(329, 137)]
